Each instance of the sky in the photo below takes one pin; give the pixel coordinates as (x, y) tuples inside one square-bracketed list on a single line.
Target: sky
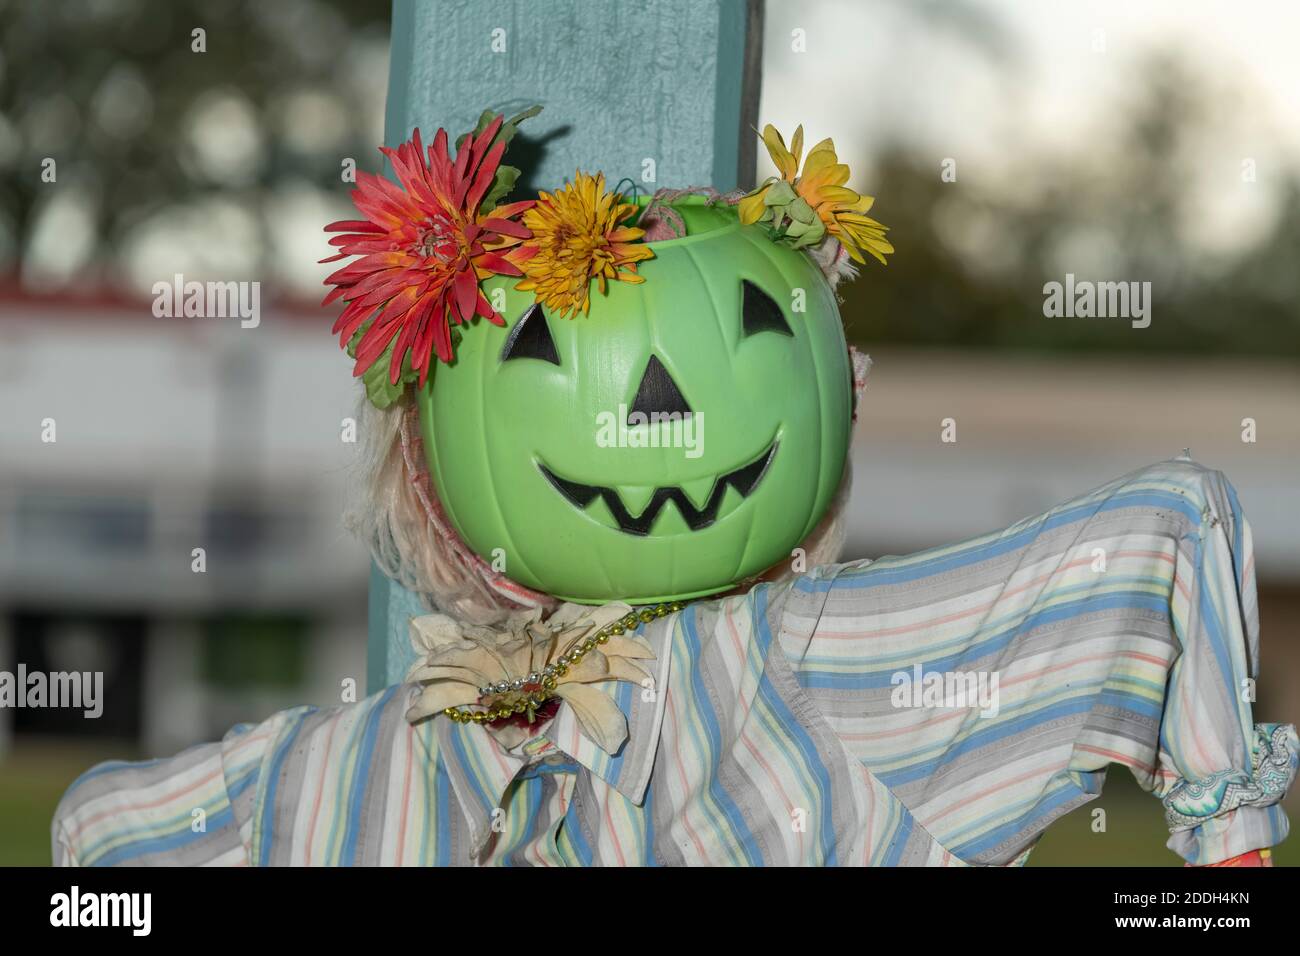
[(988, 82)]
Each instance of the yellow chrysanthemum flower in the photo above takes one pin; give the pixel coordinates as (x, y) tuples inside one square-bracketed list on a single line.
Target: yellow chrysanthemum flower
[(577, 238), (790, 200)]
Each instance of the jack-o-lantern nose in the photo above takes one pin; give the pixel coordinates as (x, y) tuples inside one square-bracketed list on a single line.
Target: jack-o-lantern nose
[(658, 394)]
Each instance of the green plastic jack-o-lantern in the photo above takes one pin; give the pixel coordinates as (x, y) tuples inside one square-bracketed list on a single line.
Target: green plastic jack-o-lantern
[(686, 434)]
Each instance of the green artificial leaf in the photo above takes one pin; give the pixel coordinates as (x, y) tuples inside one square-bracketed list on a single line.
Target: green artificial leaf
[(806, 234), (502, 185), (484, 119), (511, 126), (508, 128), (804, 226), (789, 217), (506, 176), (801, 212), (780, 193), (379, 389), (354, 343)]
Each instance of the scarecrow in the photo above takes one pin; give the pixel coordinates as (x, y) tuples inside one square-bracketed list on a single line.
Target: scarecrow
[(608, 444)]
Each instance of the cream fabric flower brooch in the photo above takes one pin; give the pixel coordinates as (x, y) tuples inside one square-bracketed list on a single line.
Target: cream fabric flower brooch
[(512, 678)]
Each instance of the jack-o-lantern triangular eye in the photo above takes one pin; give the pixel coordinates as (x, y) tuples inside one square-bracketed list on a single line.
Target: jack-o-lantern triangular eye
[(760, 313), (531, 338)]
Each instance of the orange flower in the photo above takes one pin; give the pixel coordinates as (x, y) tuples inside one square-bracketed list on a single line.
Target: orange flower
[(577, 237), (803, 207)]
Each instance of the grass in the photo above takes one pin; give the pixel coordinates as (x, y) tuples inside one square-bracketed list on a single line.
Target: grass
[(1135, 833), (33, 776)]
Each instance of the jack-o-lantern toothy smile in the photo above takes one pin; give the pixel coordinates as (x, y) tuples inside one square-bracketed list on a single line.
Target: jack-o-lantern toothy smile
[(743, 479)]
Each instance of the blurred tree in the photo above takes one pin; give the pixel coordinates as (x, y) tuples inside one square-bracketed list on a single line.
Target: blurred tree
[(972, 261), (139, 122)]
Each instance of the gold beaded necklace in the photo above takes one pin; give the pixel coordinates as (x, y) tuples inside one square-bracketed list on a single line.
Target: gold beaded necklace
[(546, 679)]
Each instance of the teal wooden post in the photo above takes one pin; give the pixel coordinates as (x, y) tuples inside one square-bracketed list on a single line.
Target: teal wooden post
[(664, 92), (377, 621)]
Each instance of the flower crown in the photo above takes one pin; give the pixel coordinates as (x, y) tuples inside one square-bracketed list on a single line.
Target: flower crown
[(428, 242)]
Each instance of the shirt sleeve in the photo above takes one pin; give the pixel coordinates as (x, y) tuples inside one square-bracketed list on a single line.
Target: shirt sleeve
[(189, 810), (989, 684)]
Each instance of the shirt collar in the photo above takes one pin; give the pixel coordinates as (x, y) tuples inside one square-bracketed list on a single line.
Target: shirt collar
[(480, 769)]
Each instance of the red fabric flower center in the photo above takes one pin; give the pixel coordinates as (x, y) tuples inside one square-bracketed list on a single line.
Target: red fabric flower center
[(441, 240)]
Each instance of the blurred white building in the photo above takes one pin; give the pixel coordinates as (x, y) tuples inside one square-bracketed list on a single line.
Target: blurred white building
[(176, 434), (128, 441), (1030, 431)]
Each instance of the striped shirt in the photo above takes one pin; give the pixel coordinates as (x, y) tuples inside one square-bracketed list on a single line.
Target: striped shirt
[(937, 709)]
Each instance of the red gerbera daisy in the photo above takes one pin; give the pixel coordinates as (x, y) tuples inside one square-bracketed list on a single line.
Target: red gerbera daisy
[(424, 248)]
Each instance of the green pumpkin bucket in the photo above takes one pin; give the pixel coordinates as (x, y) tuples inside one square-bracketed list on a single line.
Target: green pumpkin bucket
[(686, 434)]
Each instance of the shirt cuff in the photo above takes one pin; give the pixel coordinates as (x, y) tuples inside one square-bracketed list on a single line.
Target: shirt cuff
[(1234, 811)]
